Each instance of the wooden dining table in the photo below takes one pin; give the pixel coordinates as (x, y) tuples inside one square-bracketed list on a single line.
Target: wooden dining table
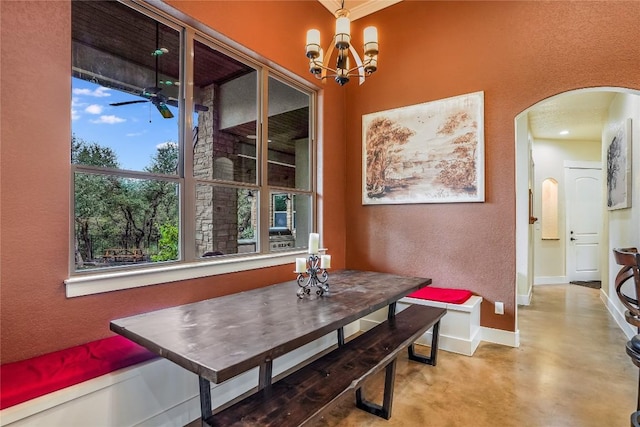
[(220, 338)]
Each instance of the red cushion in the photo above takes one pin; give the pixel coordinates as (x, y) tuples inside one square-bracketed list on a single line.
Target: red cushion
[(27, 379), (450, 296)]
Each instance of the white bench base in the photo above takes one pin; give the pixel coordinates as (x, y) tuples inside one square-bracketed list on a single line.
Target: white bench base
[(459, 328)]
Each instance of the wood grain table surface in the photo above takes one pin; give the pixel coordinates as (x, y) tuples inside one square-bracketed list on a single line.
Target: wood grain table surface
[(222, 337)]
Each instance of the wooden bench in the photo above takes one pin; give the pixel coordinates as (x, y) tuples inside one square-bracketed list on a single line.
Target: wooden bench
[(123, 255), (304, 394)]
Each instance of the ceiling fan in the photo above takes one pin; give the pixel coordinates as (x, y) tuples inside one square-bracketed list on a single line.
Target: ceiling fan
[(154, 94)]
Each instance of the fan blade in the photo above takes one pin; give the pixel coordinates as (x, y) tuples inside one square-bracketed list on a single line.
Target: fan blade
[(117, 104), (164, 110), (174, 103)]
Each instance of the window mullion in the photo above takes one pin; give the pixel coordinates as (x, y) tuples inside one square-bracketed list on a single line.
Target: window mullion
[(263, 149), (188, 192)]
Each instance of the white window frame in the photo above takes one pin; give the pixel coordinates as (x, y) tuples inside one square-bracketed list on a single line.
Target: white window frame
[(106, 280)]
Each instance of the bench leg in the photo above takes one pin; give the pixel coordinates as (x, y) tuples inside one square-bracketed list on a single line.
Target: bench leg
[(205, 398), (265, 375), (340, 337), (383, 411), (433, 358)]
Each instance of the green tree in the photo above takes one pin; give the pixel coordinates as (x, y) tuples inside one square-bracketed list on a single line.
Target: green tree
[(168, 244), (92, 193), (121, 212), (245, 207)]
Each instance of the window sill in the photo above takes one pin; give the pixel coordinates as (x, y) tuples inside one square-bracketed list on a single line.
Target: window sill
[(114, 281)]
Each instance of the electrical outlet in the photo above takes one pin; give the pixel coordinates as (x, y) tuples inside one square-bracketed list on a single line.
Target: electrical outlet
[(499, 307)]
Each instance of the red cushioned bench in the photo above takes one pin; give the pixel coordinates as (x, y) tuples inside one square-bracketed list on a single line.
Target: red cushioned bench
[(449, 296), (35, 377), (460, 330)]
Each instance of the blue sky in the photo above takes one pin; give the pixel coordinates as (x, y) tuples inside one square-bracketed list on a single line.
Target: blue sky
[(133, 131)]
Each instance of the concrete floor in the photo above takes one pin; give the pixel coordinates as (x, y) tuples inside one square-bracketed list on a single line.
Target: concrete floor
[(570, 370)]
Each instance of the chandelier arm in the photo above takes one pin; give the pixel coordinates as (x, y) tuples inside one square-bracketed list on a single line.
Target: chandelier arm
[(359, 65), (327, 58)]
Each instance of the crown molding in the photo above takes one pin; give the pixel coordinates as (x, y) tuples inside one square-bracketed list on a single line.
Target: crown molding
[(360, 10)]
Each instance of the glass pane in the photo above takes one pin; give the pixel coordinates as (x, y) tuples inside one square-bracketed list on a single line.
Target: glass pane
[(125, 85), (226, 220), (289, 144), (123, 221), (225, 92), (289, 221)]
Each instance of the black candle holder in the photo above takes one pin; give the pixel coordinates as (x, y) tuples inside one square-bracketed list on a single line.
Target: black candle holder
[(314, 277)]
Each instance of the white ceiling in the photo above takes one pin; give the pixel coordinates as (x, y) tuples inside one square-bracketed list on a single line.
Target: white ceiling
[(582, 114)]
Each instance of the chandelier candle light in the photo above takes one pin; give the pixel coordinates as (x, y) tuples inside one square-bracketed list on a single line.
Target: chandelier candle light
[(319, 64), (312, 271)]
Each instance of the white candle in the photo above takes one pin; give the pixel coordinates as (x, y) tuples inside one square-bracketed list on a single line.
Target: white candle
[(343, 26), (313, 43), (325, 261), (370, 41), (301, 265), (343, 33), (313, 37), (371, 35), (314, 243)]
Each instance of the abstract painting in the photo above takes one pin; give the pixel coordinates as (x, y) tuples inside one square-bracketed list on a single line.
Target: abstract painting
[(425, 153), (619, 168)]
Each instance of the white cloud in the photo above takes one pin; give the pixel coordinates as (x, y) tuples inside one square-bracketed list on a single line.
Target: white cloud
[(135, 133), (100, 92), (74, 114), (110, 120), (75, 102), (93, 109), (166, 144)]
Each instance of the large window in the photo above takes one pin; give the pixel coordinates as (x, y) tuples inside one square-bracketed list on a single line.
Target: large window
[(168, 172)]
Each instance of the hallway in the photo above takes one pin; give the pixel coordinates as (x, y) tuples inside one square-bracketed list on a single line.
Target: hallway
[(570, 370)]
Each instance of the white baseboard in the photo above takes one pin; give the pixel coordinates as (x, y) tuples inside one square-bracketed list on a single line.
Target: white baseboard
[(525, 299), (453, 344), (499, 336), (550, 280), (618, 316)]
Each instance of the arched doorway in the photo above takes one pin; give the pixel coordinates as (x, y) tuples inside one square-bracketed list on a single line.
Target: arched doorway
[(525, 181)]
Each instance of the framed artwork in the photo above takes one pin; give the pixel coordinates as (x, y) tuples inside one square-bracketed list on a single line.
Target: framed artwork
[(425, 153), (619, 168)]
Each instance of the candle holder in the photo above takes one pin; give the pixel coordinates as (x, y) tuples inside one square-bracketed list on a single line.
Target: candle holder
[(315, 277)]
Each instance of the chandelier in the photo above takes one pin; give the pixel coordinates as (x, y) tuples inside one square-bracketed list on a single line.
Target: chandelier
[(319, 64)]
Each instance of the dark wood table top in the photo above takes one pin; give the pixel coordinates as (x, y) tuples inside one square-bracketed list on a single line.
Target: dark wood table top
[(222, 337)]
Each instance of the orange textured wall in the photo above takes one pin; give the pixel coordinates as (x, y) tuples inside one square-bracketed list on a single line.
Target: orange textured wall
[(35, 315), (518, 53)]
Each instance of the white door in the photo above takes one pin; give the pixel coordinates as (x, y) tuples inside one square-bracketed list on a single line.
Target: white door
[(584, 223)]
